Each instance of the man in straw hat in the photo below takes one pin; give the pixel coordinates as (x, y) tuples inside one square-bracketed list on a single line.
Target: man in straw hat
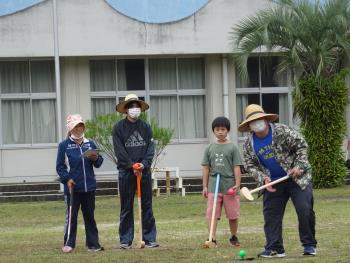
[(271, 151), (133, 143)]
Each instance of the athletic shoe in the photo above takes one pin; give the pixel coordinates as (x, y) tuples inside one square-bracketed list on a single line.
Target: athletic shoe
[(67, 249), (309, 251), (151, 244), (234, 241), (95, 249), (267, 253), (125, 246)]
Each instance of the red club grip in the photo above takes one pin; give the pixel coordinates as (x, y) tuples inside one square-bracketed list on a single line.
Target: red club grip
[(136, 166)]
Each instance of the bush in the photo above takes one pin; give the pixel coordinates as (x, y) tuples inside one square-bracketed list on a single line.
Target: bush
[(100, 130), (320, 103)]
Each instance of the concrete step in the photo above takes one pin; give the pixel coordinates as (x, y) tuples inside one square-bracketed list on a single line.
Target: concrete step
[(51, 191), (30, 198), (29, 187), (28, 192)]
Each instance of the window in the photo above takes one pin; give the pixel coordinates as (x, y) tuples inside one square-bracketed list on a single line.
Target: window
[(27, 102), (174, 87), (264, 87)]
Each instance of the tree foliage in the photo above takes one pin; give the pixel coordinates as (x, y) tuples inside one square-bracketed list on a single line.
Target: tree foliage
[(313, 41), (323, 125), (100, 130)]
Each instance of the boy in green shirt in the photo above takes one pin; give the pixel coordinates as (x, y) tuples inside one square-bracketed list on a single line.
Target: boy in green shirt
[(222, 157)]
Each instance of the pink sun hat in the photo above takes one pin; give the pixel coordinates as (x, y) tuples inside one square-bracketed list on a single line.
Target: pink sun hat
[(73, 120)]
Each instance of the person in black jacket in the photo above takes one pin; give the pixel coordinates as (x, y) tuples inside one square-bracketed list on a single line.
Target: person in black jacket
[(133, 143)]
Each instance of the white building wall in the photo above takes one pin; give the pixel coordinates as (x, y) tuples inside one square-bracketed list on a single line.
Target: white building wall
[(92, 27), (28, 165), (75, 86)]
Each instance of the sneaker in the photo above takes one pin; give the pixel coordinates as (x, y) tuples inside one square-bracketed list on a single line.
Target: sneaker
[(151, 244), (234, 241), (267, 253), (125, 246), (309, 251), (95, 249), (67, 249)]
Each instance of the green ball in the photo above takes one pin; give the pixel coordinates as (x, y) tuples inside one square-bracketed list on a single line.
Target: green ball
[(242, 253)]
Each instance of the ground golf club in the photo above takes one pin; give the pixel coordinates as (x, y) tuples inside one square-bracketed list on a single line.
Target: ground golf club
[(71, 192), (249, 194), (138, 173), (209, 243)]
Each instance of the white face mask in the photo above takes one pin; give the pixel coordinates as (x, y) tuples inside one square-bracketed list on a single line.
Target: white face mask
[(77, 137), (257, 126), (134, 113)]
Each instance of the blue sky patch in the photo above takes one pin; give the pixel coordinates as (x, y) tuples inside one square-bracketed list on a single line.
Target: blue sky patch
[(157, 11), (8, 7)]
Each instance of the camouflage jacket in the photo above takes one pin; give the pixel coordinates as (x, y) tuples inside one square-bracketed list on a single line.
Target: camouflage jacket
[(290, 150)]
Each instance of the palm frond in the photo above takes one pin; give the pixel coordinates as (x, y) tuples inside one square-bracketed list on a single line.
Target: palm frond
[(315, 38)]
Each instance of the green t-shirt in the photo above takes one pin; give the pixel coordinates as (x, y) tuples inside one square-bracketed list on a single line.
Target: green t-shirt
[(221, 158)]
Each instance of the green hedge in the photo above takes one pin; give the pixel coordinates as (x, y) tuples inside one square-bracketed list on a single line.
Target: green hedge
[(320, 103)]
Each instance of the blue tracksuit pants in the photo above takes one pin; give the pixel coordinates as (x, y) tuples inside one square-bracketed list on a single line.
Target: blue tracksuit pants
[(85, 200)]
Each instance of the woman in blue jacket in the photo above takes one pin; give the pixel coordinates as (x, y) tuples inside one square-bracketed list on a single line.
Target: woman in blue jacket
[(80, 178)]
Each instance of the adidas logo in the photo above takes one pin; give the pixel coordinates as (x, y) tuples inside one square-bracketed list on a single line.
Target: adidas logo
[(135, 140)]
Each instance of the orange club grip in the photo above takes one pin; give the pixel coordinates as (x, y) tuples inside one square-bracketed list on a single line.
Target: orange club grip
[(136, 167)]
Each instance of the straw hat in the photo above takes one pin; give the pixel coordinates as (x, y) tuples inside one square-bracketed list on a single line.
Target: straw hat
[(254, 112), (122, 106)]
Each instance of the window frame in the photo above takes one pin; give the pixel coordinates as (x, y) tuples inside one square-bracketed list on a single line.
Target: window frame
[(148, 93), (287, 90), (28, 96)]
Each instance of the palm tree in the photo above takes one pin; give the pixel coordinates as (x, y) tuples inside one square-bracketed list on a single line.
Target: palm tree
[(313, 39)]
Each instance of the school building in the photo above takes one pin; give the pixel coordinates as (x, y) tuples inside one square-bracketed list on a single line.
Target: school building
[(59, 57)]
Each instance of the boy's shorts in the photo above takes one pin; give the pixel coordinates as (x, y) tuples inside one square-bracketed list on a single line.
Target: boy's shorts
[(231, 204)]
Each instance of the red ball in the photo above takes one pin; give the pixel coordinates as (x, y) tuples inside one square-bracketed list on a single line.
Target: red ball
[(136, 166), (231, 191)]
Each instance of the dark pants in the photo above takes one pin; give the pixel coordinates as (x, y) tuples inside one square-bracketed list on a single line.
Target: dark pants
[(127, 189), (274, 207), (87, 203)]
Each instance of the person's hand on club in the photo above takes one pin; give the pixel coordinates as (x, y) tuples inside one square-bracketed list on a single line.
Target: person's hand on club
[(269, 188), (138, 167), (70, 184), (295, 172), (205, 192)]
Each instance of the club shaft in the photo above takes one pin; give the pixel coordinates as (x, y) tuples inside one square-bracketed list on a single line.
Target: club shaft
[(270, 184), (214, 208), (69, 214), (138, 178)]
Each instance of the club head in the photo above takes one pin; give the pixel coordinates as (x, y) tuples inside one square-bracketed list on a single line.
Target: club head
[(209, 244), (141, 244), (246, 193)]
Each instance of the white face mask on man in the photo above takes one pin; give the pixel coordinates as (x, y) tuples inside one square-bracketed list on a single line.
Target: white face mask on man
[(257, 126), (134, 113)]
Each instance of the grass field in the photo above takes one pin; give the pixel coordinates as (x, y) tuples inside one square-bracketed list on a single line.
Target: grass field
[(32, 232)]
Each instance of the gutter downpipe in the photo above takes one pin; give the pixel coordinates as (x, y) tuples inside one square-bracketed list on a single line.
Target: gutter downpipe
[(225, 87), (57, 75)]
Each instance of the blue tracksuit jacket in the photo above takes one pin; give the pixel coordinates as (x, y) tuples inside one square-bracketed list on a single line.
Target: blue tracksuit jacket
[(80, 168)]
